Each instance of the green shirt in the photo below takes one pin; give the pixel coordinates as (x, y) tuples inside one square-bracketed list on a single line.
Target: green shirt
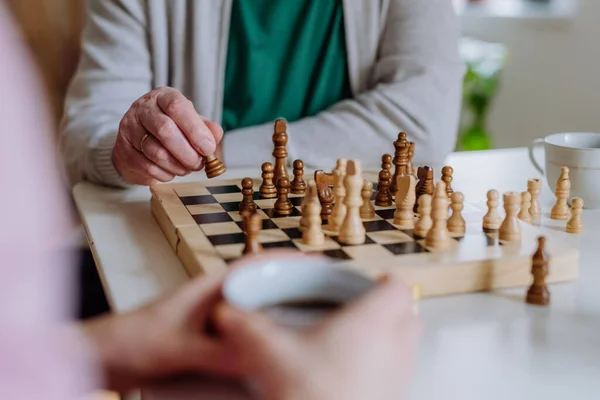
[(285, 59)]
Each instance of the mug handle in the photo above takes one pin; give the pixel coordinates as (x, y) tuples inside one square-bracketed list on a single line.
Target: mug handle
[(532, 147)]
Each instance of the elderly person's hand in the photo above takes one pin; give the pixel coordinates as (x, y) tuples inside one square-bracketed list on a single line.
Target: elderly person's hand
[(162, 136)]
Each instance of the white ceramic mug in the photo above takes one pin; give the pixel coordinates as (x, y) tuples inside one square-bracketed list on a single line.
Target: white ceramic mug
[(578, 151)]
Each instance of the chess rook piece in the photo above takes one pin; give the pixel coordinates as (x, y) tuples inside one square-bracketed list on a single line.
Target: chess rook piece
[(213, 167), (312, 234), (492, 219), (325, 194), (560, 211), (283, 205), (510, 229), (336, 219), (425, 184), (386, 162), (456, 222), (405, 201), (367, 210), (534, 187), (384, 196), (247, 204), (252, 226), (424, 222), (538, 293), (352, 231), (447, 172), (400, 160), (267, 188), (575, 225), (298, 184), (438, 237), (411, 152), (525, 206), (280, 139)]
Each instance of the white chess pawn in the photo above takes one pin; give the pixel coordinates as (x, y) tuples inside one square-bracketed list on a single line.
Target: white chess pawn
[(492, 219), (367, 210), (456, 222), (525, 207), (424, 223), (510, 230), (575, 225), (438, 237)]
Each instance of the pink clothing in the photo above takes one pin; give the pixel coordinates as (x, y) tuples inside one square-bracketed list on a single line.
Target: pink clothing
[(36, 361)]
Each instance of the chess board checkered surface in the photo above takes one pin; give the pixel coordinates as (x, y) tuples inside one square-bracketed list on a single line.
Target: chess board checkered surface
[(201, 221)]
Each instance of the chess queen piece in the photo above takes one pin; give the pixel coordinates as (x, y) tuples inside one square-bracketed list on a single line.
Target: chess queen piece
[(538, 293)]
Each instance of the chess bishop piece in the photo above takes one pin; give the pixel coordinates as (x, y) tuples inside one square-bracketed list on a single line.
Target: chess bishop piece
[(352, 231)]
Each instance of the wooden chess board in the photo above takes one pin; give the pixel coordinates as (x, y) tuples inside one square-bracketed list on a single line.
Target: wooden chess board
[(202, 224)]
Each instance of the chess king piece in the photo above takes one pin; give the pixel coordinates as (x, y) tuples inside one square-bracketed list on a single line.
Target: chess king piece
[(213, 167), (538, 293), (438, 237), (280, 139), (336, 219), (525, 206), (534, 187), (384, 196), (425, 184), (575, 225), (298, 184), (267, 188), (424, 222), (247, 204), (283, 206), (325, 194), (252, 226), (400, 160), (456, 222), (560, 211), (405, 201), (510, 229), (447, 172), (492, 220), (312, 234), (367, 210), (352, 231)]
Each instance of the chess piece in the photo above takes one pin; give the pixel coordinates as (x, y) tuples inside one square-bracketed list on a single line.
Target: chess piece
[(456, 222), (384, 196), (538, 293), (283, 205), (525, 206), (280, 139), (339, 208), (252, 226), (405, 201), (510, 229), (492, 220), (298, 184), (247, 204), (447, 172), (267, 188), (424, 222), (411, 152), (312, 234), (534, 187), (438, 237), (352, 231), (310, 195), (425, 184), (575, 225), (213, 167), (340, 165), (367, 210), (400, 160), (325, 194), (560, 211), (386, 162)]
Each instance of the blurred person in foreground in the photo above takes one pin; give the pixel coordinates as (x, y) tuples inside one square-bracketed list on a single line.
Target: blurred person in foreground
[(44, 355), (204, 77)]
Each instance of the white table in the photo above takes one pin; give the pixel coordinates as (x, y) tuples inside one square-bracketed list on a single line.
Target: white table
[(476, 346)]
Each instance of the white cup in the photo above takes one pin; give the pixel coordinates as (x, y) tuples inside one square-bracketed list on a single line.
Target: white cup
[(578, 151)]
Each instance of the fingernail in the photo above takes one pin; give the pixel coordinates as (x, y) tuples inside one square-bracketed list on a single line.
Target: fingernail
[(207, 145)]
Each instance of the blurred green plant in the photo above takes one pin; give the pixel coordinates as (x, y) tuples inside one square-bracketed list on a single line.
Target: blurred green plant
[(484, 62)]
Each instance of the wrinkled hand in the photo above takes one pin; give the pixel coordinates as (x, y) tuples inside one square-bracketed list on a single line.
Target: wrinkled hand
[(364, 352), (177, 138)]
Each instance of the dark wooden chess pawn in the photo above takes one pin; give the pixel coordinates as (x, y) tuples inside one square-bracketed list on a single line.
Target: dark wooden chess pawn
[(252, 226), (247, 204), (538, 293), (447, 172), (283, 206), (411, 152), (326, 196), (400, 160), (298, 184), (384, 197), (386, 162), (213, 167), (267, 188), (280, 139), (425, 184)]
